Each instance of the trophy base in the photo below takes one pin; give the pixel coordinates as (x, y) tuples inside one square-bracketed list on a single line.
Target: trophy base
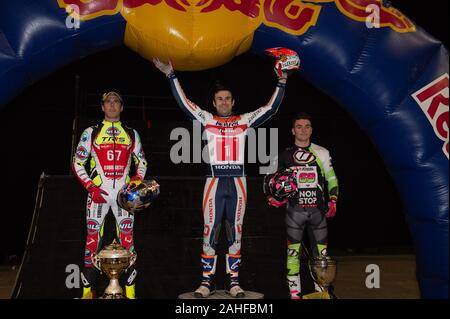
[(223, 294), (318, 295), (113, 296)]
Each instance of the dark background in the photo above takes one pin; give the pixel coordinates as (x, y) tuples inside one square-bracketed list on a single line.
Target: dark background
[(37, 134)]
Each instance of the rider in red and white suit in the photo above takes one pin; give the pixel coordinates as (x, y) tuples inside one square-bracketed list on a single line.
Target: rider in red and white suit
[(225, 192)]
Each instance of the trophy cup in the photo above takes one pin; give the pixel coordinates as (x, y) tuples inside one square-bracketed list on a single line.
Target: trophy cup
[(113, 260), (323, 273)]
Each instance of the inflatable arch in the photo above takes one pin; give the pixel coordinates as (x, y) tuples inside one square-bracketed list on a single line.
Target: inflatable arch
[(381, 67)]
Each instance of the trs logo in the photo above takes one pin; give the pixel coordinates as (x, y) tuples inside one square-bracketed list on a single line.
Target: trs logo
[(433, 100)]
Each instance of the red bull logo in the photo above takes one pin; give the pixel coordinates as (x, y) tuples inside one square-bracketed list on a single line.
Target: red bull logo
[(433, 100), (386, 16), (212, 32), (90, 9), (293, 16)]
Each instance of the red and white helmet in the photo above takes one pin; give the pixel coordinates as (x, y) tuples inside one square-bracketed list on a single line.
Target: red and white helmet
[(287, 60)]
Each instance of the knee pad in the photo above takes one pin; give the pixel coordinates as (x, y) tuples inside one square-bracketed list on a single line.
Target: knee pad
[(293, 259)]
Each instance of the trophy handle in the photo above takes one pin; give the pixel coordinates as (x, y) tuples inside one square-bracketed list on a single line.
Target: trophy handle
[(96, 261), (133, 258)]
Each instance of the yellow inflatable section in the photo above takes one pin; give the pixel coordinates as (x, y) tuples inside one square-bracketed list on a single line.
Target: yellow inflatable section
[(193, 39), (201, 34)]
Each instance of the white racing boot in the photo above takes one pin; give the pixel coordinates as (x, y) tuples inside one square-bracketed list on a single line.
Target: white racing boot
[(295, 287), (236, 292), (233, 262), (209, 268), (204, 291)]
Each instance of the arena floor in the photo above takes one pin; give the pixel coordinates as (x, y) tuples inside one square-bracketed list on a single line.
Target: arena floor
[(397, 278)]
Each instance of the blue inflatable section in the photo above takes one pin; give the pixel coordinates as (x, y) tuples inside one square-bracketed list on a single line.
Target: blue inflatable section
[(394, 84), (374, 73), (35, 41)]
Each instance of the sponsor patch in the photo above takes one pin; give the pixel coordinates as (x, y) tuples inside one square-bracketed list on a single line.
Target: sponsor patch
[(126, 226), (303, 157), (92, 226), (433, 100), (81, 152)]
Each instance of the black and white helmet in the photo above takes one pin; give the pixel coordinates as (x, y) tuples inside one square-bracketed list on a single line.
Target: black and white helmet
[(281, 185)]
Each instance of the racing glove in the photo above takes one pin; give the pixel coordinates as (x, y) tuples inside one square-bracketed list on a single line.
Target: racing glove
[(136, 180), (167, 69), (286, 60), (331, 207), (97, 194), (275, 203)]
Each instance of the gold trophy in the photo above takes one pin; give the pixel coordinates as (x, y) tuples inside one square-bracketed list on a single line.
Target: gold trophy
[(323, 272), (113, 260)]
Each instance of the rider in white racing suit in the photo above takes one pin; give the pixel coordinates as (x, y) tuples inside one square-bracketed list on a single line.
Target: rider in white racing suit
[(225, 191), (108, 147)]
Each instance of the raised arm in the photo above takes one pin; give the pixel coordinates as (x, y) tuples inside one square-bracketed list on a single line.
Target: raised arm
[(193, 111), (262, 114), (286, 62)]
